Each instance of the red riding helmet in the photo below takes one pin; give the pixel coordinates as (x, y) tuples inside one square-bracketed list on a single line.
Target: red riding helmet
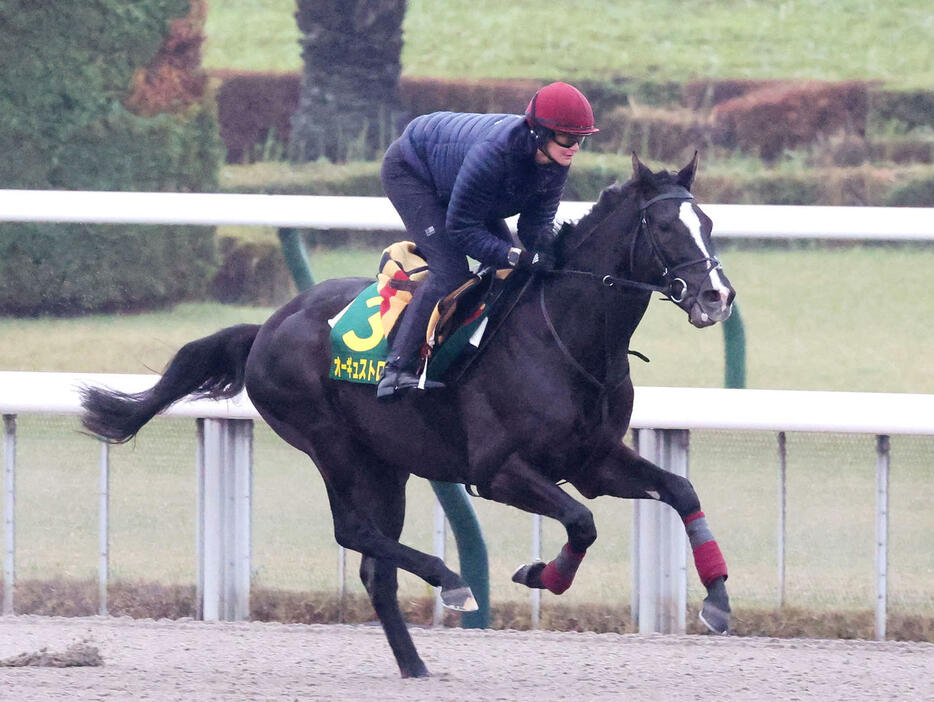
[(561, 108)]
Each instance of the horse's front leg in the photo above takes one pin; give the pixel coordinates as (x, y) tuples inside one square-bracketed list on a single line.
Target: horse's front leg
[(624, 473), (519, 485)]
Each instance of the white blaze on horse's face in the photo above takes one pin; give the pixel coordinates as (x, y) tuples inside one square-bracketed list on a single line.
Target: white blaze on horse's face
[(691, 221)]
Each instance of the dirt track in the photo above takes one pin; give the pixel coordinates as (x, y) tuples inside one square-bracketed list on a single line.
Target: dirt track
[(187, 660)]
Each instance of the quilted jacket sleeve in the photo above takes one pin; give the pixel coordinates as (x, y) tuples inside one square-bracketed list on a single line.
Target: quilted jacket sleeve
[(472, 201), (537, 219)]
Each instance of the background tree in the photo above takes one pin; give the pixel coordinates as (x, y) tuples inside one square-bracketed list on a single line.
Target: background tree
[(349, 98)]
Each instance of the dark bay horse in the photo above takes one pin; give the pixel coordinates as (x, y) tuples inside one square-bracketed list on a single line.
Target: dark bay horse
[(549, 400)]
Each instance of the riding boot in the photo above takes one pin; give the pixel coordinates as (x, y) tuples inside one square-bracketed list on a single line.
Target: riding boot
[(399, 371)]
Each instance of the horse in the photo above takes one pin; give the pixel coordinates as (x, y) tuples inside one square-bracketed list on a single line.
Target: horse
[(547, 399)]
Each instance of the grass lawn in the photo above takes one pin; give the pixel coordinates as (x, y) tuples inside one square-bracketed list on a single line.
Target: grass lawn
[(667, 40), (823, 318)]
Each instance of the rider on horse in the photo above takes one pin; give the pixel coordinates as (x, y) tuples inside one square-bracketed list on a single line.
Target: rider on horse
[(454, 177)]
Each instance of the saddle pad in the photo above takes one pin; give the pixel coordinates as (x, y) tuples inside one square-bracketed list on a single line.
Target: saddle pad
[(359, 332), (358, 344), (401, 270)]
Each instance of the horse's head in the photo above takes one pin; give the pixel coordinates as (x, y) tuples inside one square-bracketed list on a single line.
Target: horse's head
[(679, 244)]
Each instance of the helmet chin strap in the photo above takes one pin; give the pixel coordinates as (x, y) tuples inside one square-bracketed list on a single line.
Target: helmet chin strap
[(548, 155), (541, 146)]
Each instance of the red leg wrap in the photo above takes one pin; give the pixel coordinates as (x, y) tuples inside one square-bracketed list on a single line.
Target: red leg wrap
[(710, 562), (559, 574)]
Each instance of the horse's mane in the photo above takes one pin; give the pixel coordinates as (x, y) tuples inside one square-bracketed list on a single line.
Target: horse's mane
[(609, 200)]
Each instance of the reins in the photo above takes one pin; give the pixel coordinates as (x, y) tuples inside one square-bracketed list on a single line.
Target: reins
[(611, 281)]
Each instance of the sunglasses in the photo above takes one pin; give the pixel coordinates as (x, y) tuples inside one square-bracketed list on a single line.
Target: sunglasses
[(568, 140)]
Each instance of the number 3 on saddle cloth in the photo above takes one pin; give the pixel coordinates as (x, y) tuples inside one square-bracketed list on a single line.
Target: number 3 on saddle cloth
[(360, 332)]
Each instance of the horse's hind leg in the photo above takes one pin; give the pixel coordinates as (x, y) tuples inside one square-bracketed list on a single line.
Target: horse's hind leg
[(379, 578), (624, 473), (385, 493)]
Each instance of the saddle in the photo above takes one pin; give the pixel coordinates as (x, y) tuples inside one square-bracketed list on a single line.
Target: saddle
[(360, 332)]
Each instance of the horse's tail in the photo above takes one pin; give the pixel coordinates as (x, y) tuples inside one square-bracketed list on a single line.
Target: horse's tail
[(210, 367)]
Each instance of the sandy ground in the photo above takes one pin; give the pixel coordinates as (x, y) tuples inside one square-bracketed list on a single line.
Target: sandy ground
[(188, 660)]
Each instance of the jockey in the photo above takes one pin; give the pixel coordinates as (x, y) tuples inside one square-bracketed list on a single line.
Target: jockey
[(454, 177)]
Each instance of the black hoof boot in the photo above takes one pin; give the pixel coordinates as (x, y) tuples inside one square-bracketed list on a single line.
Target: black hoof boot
[(715, 614), (530, 575)]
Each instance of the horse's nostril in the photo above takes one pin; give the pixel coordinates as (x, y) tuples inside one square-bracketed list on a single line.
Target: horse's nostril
[(711, 297)]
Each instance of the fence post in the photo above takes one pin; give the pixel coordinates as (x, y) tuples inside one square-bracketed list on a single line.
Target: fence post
[(103, 564), (660, 542), (225, 477), (782, 512), (882, 533), (535, 594), (9, 511), (440, 541)]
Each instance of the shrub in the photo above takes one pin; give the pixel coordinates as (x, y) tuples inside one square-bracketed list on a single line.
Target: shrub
[(663, 135), (771, 120), (910, 108), (255, 110), (918, 192), (705, 94), (903, 150), (69, 123), (423, 95), (252, 273)]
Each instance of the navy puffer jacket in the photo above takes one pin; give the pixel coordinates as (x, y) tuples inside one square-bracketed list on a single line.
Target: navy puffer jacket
[(483, 166)]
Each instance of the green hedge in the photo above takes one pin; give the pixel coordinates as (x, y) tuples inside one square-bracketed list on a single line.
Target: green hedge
[(725, 182), (918, 192), (64, 126), (77, 268)]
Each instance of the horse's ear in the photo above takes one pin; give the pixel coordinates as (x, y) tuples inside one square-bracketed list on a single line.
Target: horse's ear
[(686, 174), (639, 171)]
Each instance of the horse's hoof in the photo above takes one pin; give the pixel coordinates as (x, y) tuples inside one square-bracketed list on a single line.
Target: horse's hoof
[(460, 599), (416, 671), (715, 614), (714, 618), (530, 575)]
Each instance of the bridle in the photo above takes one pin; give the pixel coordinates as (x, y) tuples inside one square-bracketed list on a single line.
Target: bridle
[(610, 281), (668, 271)]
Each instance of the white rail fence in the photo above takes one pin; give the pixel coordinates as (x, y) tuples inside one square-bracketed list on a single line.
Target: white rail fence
[(376, 213), (662, 419)]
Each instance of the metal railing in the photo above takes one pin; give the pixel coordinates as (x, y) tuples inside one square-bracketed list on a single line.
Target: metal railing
[(662, 419)]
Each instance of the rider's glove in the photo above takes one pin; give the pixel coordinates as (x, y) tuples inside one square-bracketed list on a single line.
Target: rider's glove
[(535, 262)]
